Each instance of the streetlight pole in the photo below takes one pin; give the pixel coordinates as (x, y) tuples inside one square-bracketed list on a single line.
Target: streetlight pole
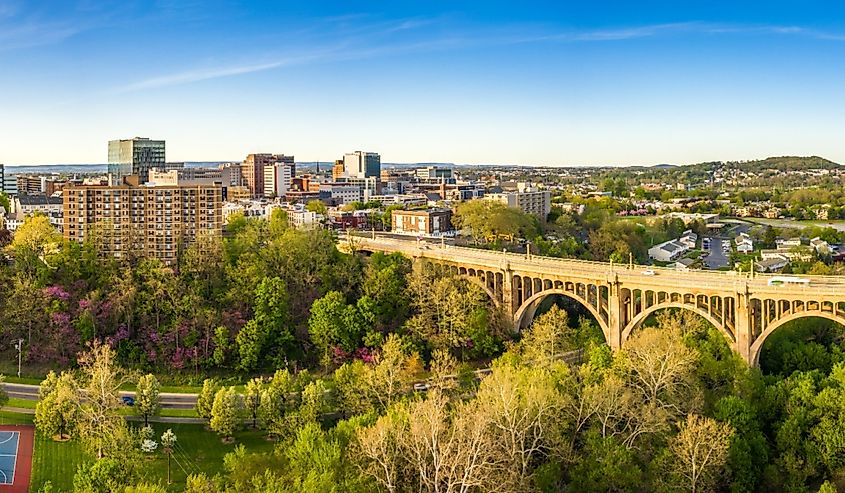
[(19, 347)]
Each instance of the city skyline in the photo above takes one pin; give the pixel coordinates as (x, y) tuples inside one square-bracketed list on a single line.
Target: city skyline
[(557, 85)]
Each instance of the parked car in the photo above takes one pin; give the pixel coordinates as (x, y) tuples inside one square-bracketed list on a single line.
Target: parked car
[(649, 272), (128, 400)]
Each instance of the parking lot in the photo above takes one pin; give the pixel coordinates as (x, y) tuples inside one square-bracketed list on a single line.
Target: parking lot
[(717, 257)]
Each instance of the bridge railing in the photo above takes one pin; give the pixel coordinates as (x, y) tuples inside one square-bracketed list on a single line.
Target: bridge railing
[(723, 279)]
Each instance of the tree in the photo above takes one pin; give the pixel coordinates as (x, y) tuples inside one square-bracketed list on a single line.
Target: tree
[(205, 399), (199, 483), (33, 240), (548, 337), (316, 206), (268, 329), (334, 323), (381, 448), (252, 399), (57, 411), (700, 452), (103, 476), (523, 408), (101, 426), (145, 488), (168, 442), (4, 396), (487, 219), (390, 377), (227, 412), (661, 368), (147, 398)]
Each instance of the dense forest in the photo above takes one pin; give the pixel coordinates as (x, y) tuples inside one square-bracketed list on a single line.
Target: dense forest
[(266, 296), (674, 410)]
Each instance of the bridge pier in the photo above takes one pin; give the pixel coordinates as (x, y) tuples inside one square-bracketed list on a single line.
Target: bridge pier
[(743, 328), (615, 319)]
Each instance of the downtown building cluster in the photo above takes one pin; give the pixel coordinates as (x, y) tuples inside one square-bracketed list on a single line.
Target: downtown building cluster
[(146, 206)]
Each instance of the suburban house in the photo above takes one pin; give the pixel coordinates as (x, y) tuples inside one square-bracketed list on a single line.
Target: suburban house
[(688, 239), (668, 251), (744, 243), (774, 264), (802, 254), (684, 264), (788, 242), (820, 246)]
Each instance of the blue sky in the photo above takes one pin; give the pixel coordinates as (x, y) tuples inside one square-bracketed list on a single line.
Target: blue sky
[(551, 83)]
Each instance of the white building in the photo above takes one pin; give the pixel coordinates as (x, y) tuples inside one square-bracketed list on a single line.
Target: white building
[(667, 251), (299, 217), (744, 243), (278, 178), (820, 246), (399, 199), (787, 243), (341, 193), (688, 239)]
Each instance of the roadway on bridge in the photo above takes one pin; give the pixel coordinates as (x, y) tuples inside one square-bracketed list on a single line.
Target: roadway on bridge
[(663, 277)]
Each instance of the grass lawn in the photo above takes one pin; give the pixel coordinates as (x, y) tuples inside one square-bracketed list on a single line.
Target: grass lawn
[(198, 450), (21, 403)]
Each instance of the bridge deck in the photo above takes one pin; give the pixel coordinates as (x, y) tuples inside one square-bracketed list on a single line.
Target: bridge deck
[(821, 286)]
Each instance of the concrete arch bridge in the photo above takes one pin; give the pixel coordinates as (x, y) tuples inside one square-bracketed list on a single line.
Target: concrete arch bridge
[(744, 307)]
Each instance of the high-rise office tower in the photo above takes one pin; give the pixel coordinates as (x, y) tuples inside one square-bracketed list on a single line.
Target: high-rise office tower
[(252, 170), (361, 164), (135, 157)]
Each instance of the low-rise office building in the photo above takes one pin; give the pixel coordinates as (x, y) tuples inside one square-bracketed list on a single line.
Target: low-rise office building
[(431, 222)]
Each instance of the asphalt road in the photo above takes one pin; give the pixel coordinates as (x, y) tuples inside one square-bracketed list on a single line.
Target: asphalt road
[(168, 400)]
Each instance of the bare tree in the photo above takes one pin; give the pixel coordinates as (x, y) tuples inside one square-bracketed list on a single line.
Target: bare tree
[(522, 406), (660, 368), (381, 447), (700, 452)]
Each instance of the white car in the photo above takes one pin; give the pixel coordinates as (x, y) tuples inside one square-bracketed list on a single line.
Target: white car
[(649, 272)]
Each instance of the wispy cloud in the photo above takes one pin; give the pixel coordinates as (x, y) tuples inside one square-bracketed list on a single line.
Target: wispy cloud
[(23, 26), (201, 74), (32, 34), (357, 45)]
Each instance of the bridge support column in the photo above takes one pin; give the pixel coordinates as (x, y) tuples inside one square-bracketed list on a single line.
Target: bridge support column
[(508, 299), (743, 327), (615, 320)]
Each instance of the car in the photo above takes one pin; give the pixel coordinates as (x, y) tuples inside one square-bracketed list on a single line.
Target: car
[(649, 272), (128, 400), (421, 387)]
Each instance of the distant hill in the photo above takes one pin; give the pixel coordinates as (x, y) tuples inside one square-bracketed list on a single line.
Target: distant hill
[(785, 163), (664, 166)]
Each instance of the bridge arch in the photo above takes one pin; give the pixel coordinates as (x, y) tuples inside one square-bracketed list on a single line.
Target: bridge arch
[(530, 305), (757, 346), (642, 316), (479, 283)]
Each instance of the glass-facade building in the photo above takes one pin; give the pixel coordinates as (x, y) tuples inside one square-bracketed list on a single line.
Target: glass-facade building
[(135, 157), (361, 164)]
